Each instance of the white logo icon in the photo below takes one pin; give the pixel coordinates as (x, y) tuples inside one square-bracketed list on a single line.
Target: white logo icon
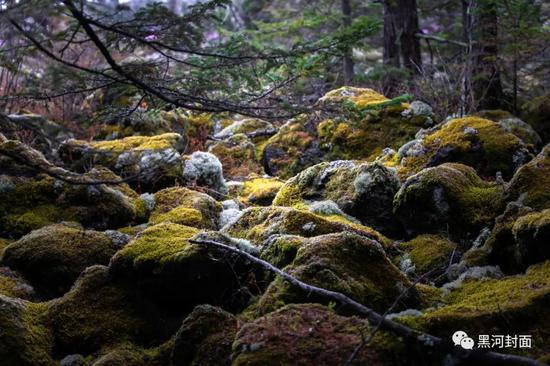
[(458, 336), (467, 343)]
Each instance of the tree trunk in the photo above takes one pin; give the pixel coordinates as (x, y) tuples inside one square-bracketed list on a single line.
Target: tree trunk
[(348, 60), (401, 46), (391, 48), (486, 75)]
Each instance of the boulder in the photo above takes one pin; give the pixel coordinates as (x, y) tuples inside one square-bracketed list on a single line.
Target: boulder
[(28, 203), (184, 206), (448, 199), (204, 170), (515, 305), (344, 262), (253, 127), (52, 257), (153, 161), (98, 313), (205, 337), (530, 183), (177, 274), (362, 190), (536, 112), (480, 143)]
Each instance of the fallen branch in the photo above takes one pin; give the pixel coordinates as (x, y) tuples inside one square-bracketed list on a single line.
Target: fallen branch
[(426, 339)]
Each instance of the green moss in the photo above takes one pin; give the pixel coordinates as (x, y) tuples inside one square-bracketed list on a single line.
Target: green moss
[(53, 257), (24, 339), (428, 252), (180, 215), (532, 234), (536, 112), (449, 198), (98, 313)]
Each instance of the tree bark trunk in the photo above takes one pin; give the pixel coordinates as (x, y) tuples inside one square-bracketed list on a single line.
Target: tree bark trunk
[(401, 46), (486, 78), (348, 60)]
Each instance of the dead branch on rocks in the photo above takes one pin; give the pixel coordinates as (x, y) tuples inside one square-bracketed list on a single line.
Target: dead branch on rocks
[(401, 330)]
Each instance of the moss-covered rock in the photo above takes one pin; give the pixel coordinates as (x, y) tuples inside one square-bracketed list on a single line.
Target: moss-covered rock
[(480, 143), (513, 125), (449, 198), (153, 161), (177, 274), (184, 206), (536, 112), (27, 204), (293, 148), (511, 305), (13, 285), (532, 234), (531, 181), (349, 123), (310, 334), (237, 154), (426, 253), (259, 191), (52, 257), (364, 191), (281, 250), (259, 223), (500, 246), (343, 262), (205, 337), (99, 313), (24, 338)]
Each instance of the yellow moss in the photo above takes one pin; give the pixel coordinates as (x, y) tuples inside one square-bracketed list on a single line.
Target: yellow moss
[(497, 146), (180, 215), (159, 243), (185, 206), (159, 142), (362, 97), (532, 221), (260, 190), (489, 300)]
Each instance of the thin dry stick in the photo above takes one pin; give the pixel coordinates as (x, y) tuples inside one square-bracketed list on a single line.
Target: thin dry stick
[(426, 339)]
